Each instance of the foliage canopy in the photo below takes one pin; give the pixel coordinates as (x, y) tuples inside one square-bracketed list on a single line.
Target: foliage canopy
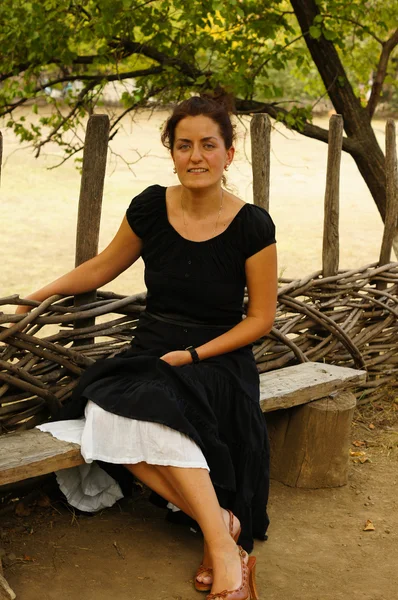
[(252, 50), (258, 53)]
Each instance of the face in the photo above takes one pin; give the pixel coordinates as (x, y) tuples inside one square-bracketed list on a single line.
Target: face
[(199, 152)]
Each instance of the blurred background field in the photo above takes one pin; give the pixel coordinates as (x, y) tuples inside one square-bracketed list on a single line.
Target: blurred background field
[(39, 203)]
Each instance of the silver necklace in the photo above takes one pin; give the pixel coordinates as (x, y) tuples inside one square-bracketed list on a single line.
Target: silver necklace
[(218, 215)]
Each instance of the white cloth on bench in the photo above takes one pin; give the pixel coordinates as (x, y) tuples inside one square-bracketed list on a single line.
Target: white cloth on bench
[(114, 439), (67, 431)]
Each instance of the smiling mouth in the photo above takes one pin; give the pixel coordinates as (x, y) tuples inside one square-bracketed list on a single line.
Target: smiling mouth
[(197, 170)]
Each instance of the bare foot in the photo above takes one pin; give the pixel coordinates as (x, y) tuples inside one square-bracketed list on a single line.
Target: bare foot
[(227, 573), (206, 576)]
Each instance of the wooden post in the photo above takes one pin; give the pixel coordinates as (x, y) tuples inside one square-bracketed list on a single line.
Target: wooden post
[(91, 188), (390, 222), (90, 201), (260, 134), (1, 152), (330, 251)]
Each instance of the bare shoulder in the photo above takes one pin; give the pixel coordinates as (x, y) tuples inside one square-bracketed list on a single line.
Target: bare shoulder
[(173, 195), (232, 203), (173, 190)]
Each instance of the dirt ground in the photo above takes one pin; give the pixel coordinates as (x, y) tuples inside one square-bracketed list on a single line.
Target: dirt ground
[(317, 547)]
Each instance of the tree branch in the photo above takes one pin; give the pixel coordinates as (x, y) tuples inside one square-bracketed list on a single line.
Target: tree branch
[(103, 77), (75, 151), (266, 61), (152, 92), (80, 100), (11, 107), (309, 130), (112, 132), (78, 60), (16, 71), (388, 47), (93, 78), (128, 47), (353, 22)]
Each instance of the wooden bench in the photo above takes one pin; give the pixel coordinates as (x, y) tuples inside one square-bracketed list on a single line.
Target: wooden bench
[(309, 442)]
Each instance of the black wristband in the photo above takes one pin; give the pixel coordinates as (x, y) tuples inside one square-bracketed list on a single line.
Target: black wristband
[(194, 354)]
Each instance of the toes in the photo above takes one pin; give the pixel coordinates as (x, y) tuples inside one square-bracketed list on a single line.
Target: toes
[(205, 577)]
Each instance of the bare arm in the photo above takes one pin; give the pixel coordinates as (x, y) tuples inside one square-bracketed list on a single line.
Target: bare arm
[(262, 286), (123, 251)]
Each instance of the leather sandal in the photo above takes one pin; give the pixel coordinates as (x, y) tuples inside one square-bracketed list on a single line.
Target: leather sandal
[(247, 589), (200, 586)]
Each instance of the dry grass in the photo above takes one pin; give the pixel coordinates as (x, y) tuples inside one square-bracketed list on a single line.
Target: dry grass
[(39, 206), (382, 413)]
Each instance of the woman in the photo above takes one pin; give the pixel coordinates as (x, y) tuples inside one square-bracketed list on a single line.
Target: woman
[(189, 387)]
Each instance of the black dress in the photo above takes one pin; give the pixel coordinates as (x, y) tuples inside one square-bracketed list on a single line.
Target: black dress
[(195, 293)]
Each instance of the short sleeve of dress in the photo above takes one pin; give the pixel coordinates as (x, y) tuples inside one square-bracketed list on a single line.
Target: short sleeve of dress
[(258, 230), (144, 210)]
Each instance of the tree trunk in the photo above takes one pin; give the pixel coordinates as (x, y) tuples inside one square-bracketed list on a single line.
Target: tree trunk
[(357, 124)]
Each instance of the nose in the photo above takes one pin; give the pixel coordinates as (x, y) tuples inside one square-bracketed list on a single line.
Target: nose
[(196, 154)]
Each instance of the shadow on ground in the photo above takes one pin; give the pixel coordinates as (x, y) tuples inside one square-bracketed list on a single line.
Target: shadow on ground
[(317, 548)]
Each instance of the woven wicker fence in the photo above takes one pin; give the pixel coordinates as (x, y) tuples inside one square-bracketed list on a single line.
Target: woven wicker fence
[(344, 320)]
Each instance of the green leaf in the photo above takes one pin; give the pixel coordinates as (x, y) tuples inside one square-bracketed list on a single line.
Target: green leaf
[(315, 32), (201, 80), (328, 34)]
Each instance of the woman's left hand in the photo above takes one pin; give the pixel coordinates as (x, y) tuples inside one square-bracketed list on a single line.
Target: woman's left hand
[(177, 358)]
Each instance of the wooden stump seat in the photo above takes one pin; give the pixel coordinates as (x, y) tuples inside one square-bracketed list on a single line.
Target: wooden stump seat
[(310, 443), (310, 440)]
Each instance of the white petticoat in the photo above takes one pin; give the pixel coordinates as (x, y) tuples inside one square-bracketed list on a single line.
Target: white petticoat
[(115, 439)]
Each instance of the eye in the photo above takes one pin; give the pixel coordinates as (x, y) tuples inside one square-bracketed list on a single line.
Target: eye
[(209, 146), (182, 146)]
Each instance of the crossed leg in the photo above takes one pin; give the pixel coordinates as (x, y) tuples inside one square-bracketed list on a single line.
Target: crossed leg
[(193, 492)]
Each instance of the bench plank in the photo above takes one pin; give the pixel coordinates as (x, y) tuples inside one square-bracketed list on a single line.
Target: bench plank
[(304, 383), (31, 453)]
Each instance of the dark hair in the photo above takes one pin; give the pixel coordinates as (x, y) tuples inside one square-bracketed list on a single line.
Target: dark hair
[(193, 107)]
